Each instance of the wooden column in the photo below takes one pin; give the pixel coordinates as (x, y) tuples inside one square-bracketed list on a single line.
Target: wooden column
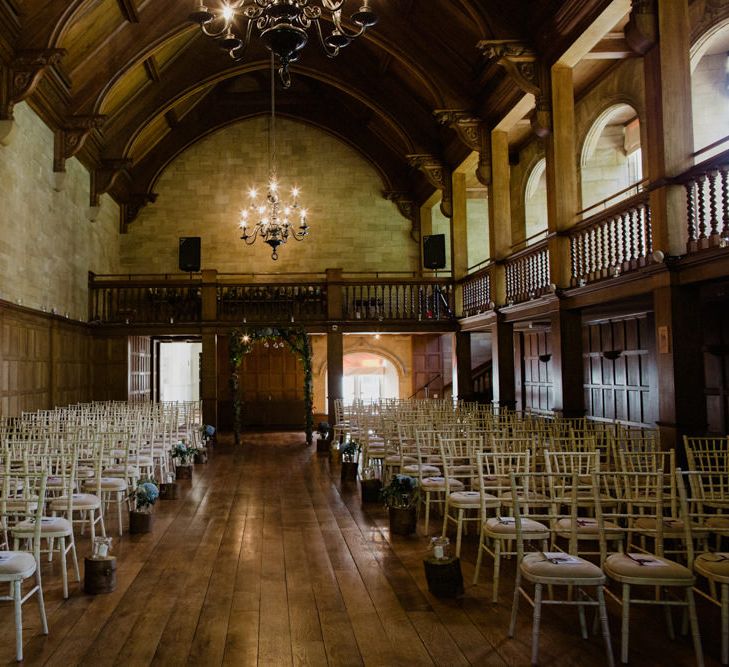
[(209, 295), (209, 377), (462, 371), (335, 301), (499, 213), (567, 372), (335, 370), (680, 364), (502, 356), (561, 174), (669, 126), (459, 227)]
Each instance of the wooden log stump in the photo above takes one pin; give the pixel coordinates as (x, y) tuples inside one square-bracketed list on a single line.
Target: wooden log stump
[(184, 472), (140, 522), (168, 491), (403, 520), (444, 577), (201, 456), (99, 575), (370, 490), (349, 471)]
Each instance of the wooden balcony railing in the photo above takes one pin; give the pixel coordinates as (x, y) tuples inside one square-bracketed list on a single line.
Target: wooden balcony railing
[(707, 203), (611, 242), (272, 302), (476, 293), (414, 300), (527, 273)]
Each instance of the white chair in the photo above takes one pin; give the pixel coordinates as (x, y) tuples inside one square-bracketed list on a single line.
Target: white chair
[(16, 566)]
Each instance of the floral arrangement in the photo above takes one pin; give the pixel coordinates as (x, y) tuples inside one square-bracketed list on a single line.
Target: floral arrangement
[(402, 492), (145, 495), (207, 431), (323, 430), (350, 451), (183, 453)]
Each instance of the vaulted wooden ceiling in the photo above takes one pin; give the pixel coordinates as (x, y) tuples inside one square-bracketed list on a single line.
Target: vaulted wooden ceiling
[(129, 84)]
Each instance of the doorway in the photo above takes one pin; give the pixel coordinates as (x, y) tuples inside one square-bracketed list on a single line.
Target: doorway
[(179, 371)]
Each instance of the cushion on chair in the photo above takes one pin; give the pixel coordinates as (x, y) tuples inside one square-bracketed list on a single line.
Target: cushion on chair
[(506, 526), (51, 526), (109, 484), (672, 528), (20, 565), (439, 483), (668, 573), (718, 523), (414, 468), (586, 526), (536, 566), (713, 566), (468, 499)]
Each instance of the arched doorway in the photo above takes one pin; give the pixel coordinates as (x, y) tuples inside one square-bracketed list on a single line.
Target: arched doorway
[(369, 377)]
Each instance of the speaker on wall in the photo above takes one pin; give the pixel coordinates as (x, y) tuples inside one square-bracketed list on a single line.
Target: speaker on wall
[(434, 251), (190, 253)]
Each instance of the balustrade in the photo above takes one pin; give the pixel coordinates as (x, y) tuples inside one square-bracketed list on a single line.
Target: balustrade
[(476, 293), (149, 304), (707, 204), (402, 300), (612, 242), (527, 273), (272, 303)]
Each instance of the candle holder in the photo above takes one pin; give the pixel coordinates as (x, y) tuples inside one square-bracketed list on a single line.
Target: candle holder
[(440, 548), (101, 548)]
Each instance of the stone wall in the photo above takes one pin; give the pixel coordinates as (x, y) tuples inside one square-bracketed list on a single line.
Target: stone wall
[(200, 194), (710, 99), (48, 245)]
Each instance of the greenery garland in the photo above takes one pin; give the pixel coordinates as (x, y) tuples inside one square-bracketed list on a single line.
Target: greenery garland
[(242, 342)]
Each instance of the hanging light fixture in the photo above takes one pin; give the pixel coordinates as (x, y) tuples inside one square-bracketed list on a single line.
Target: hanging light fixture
[(275, 218), (283, 26)]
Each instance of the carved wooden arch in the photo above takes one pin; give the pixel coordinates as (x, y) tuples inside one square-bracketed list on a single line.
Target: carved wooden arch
[(238, 70), (386, 180), (67, 19)]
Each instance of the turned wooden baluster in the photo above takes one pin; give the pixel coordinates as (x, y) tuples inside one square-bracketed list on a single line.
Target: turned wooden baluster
[(625, 237), (725, 203), (639, 233), (573, 259), (691, 216), (701, 210), (713, 200), (612, 259), (648, 230)]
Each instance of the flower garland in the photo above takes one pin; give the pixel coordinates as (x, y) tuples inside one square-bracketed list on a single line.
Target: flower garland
[(242, 342)]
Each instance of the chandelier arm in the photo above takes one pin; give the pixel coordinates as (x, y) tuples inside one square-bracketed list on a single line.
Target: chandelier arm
[(337, 18), (212, 32), (250, 239), (329, 51), (238, 53), (333, 5)]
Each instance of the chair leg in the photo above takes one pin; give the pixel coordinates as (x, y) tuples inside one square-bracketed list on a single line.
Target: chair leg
[(624, 631), (581, 614), (75, 559), (694, 627), (515, 603), (64, 572), (119, 501), (18, 603), (497, 570), (725, 624), (459, 533), (536, 620), (602, 609), (479, 557), (41, 602), (427, 511)]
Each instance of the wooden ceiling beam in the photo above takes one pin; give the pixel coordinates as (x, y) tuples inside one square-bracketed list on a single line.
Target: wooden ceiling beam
[(152, 69), (129, 10)]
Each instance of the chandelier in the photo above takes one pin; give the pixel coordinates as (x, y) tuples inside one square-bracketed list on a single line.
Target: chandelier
[(274, 216), (283, 26)]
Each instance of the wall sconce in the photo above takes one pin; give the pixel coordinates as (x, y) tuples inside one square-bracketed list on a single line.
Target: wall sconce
[(612, 355), (545, 358)]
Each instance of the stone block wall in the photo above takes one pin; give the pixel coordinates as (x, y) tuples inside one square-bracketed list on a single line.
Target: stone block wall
[(200, 194)]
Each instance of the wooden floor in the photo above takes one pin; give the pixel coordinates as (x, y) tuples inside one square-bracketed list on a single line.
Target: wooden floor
[(266, 560)]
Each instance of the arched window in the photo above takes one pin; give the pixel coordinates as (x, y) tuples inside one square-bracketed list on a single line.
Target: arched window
[(535, 203), (369, 377), (710, 91), (611, 163)]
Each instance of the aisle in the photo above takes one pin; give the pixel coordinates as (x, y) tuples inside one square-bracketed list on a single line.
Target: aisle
[(266, 560)]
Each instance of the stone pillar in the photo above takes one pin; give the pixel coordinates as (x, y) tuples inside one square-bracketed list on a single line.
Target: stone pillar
[(462, 371), (209, 377), (567, 365), (426, 229), (335, 370), (679, 364), (669, 126), (502, 363), (499, 213), (561, 173), (459, 227)]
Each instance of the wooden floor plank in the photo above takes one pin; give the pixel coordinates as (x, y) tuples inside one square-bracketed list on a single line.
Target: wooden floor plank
[(267, 559)]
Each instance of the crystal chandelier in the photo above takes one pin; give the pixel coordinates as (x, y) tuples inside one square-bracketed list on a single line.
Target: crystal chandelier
[(274, 216), (283, 26)]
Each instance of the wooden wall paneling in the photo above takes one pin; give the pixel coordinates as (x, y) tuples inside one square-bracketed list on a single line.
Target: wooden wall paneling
[(619, 370), (427, 364), (110, 363), (140, 368), (537, 383), (715, 349)]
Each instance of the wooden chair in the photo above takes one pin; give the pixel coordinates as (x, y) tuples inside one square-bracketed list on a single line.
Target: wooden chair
[(16, 566), (711, 565), (643, 517), (553, 569)]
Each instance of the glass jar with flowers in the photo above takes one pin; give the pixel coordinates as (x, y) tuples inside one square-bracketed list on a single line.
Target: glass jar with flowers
[(401, 495)]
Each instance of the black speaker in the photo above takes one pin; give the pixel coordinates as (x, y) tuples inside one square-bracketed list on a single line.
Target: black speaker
[(434, 251), (190, 253)]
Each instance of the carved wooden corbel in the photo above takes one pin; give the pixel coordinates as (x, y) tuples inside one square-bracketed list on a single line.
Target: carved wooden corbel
[(466, 125), (103, 177), (71, 137), (641, 31), (438, 175), (521, 64), (408, 210), (133, 205), (21, 77)]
